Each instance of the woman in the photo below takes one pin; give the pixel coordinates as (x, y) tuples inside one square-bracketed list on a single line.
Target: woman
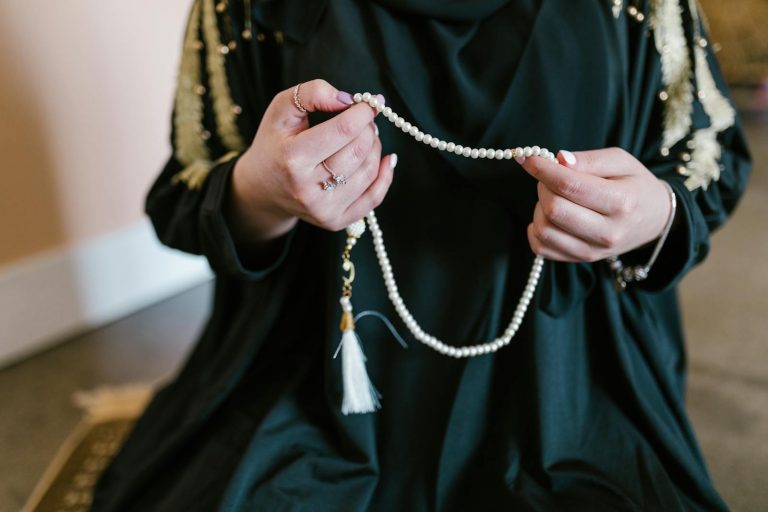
[(583, 410)]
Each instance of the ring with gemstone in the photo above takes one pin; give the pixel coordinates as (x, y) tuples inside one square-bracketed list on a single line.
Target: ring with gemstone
[(338, 179)]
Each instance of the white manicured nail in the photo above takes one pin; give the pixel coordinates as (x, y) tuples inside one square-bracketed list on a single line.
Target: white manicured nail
[(393, 160), (569, 157)]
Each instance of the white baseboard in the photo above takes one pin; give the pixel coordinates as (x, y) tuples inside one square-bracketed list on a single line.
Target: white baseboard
[(49, 297)]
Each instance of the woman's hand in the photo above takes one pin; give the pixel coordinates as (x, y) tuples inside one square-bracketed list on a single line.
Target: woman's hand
[(594, 204), (278, 180)]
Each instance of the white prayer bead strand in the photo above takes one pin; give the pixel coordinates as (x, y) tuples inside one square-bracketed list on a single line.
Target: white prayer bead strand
[(383, 258)]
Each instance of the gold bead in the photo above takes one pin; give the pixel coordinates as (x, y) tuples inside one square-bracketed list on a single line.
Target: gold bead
[(247, 35), (663, 95), (632, 10), (205, 135), (279, 37), (232, 45), (224, 49), (199, 89), (681, 169), (237, 110), (221, 7), (685, 157), (664, 151), (261, 37), (703, 42), (640, 17)]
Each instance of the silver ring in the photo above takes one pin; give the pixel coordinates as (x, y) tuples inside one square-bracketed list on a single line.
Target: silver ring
[(297, 101)]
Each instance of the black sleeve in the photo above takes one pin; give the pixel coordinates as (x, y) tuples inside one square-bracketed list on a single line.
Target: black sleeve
[(227, 77), (708, 169)]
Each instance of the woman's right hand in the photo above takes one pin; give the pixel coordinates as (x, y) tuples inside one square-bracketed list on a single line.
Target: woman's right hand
[(278, 180)]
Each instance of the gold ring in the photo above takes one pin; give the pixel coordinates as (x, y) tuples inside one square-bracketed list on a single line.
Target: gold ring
[(297, 101)]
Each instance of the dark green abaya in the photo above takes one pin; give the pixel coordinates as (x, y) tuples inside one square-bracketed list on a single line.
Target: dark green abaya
[(583, 411)]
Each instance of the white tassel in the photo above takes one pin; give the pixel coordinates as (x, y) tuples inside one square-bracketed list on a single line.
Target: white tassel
[(360, 395)]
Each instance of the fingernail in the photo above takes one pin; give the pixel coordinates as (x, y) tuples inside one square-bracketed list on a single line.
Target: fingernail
[(569, 157), (375, 129), (344, 97), (520, 159), (393, 160)]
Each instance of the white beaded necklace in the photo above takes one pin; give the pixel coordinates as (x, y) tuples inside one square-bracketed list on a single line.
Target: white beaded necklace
[(359, 394)]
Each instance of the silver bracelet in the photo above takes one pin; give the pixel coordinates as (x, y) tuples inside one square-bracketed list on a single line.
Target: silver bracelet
[(636, 273)]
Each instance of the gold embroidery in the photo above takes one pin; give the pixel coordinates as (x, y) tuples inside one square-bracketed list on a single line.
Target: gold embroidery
[(188, 108), (226, 123), (703, 162)]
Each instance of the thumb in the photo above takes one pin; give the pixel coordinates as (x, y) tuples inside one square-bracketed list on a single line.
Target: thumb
[(604, 163), (319, 96), (289, 108)]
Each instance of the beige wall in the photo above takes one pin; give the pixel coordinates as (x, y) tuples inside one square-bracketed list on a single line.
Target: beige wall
[(85, 94)]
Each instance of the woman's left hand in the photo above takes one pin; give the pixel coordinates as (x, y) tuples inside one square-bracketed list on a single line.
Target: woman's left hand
[(594, 204)]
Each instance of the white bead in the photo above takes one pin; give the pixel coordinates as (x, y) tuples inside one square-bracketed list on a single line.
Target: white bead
[(366, 96), (508, 154), (519, 152), (387, 111), (357, 98), (536, 151), (373, 102), (419, 136), (427, 138), (399, 122), (474, 153), (499, 154), (413, 130), (407, 127), (459, 149), (481, 153), (442, 145), (527, 152), (466, 151), (434, 142), (490, 153), (450, 147), (380, 107)]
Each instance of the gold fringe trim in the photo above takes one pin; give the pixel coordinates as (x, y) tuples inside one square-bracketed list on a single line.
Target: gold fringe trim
[(666, 21), (114, 402), (188, 108), (223, 105), (706, 151), (195, 174)]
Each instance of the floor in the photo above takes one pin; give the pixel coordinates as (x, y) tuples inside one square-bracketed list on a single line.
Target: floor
[(725, 310)]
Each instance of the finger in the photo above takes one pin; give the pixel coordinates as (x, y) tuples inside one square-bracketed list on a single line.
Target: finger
[(363, 176), (581, 222), (553, 238), (547, 252), (314, 96), (323, 140), (589, 191), (352, 156), (605, 163), (375, 193)]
